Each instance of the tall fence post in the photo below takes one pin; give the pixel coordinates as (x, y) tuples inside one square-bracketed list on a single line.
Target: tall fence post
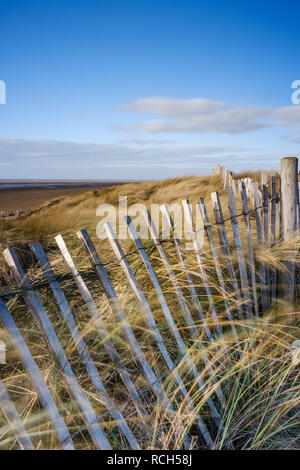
[(289, 199)]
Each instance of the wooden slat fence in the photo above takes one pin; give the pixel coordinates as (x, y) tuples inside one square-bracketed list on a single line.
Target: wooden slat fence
[(252, 292)]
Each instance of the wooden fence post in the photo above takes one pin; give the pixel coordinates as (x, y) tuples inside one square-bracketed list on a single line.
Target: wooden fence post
[(289, 192), (289, 199)]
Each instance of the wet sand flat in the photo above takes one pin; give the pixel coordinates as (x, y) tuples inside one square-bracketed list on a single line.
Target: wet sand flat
[(26, 196)]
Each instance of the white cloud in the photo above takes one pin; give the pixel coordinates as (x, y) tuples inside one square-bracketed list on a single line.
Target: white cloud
[(225, 121), (207, 116), (287, 115), (52, 159), (135, 141), (173, 107)]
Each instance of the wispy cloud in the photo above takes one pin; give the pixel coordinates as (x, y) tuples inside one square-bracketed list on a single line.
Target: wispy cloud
[(293, 137), (53, 159), (135, 141), (173, 107), (207, 116)]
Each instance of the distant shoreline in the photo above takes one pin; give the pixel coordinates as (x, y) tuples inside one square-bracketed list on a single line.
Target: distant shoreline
[(54, 185), (16, 195), (15, 184)]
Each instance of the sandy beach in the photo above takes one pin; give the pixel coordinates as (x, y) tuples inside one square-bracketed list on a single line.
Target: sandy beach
[(22, 195)]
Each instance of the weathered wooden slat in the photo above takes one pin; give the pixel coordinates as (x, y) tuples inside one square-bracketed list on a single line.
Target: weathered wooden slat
[(262, 272), (298, 206), (247, 220), (118, 311), (44, 395), (81, 347), (224, 246), (277, 233), (181, 258), (41, 318), (257, 207), (189, 218), (273, 210), (221, 230), (273, 274), (264, 178), (14, 420), (204, 215), (239, 251), (280, 211), (151, 323), (265, 214), (170, 321), (266, 234), (103, 332)]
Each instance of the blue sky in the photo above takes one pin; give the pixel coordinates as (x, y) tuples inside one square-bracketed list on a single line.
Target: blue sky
[(147, 89)]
